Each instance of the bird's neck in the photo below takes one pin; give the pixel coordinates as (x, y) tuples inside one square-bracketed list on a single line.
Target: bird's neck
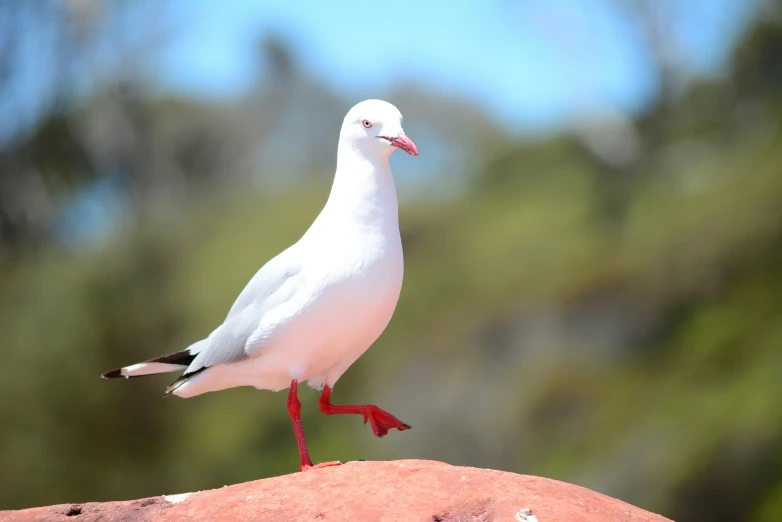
[(364, 190)]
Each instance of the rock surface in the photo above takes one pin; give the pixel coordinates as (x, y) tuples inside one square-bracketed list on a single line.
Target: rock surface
[(414, 490)]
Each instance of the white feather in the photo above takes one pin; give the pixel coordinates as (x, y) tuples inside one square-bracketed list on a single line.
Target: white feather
[(149, 368), (311, 311)]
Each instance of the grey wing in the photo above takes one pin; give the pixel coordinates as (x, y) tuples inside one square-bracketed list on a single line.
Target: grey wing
[(267, 281), (227, 343)]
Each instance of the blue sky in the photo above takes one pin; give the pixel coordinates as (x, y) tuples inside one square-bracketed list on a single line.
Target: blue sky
[(530, 63), (533, 64)]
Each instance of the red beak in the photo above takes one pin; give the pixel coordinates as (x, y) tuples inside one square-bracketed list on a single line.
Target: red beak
[(404, 143)]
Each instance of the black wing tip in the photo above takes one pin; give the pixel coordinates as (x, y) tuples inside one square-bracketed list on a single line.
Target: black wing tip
[(182, 358), (113, 374), (182, 379), (173, 387)]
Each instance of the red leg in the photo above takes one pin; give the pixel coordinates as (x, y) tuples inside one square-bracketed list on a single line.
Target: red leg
[(294, 410), (381, 421)]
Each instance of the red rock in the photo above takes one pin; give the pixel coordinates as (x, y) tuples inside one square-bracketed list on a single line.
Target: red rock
[(415, 490)]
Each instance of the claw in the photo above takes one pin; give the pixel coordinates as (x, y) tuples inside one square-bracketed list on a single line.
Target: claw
[(383, 421)]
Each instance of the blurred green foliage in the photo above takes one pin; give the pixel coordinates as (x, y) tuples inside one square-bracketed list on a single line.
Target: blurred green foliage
[(608, 319)]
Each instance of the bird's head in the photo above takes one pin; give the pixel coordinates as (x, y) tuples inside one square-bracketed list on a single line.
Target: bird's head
[(375, 128)]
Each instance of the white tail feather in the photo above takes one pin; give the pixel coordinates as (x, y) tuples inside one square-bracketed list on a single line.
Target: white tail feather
[(149, 368)]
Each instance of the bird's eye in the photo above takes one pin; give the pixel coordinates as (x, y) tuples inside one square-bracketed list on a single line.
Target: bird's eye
[(366, 123)]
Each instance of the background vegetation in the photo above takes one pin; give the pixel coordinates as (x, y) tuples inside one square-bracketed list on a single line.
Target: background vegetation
[(601, 304)]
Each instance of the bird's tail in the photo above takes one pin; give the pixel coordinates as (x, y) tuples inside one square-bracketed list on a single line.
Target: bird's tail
[(181, 381), (168, 363)]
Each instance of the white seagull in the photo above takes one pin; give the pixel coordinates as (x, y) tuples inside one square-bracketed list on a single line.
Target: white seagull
[(310, 312)]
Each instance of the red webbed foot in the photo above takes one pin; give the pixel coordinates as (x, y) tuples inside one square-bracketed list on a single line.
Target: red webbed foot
[(382, 421)]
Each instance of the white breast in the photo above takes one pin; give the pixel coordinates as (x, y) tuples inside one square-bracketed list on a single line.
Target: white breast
[(347, 289)]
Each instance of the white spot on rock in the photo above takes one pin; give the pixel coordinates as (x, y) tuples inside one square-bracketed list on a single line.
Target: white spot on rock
[(176, 499), (525, 515)]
